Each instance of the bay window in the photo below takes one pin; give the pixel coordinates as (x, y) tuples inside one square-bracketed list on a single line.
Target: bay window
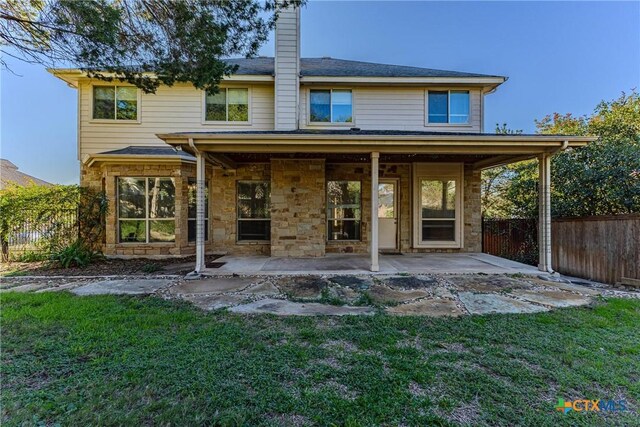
[(344, 211), (146, 210)]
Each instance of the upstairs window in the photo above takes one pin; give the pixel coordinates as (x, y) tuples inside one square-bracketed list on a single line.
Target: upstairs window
[(330, 106), (228, 105), (448, 106), (115, 103)]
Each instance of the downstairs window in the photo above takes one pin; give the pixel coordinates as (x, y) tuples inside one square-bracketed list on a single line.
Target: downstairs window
[(146, 210)]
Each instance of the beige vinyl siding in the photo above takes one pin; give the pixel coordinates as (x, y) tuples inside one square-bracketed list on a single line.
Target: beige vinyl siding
[(172, 109), (287, 65), (402, 108)]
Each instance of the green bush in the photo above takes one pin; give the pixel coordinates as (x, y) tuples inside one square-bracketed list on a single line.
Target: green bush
[(58, 216), (77, 254)]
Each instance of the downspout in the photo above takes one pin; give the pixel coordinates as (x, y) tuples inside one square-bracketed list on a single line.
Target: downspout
[(200, 208)]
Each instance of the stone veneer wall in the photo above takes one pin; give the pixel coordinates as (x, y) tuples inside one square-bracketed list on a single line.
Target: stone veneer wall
[(298, 196), (224, 205), (472, 210), (298, 215)]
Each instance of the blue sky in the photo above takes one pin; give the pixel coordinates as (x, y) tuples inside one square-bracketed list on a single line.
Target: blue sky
[(562, 57)]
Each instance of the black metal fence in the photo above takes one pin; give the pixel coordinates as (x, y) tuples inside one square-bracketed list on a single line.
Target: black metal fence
[(515, 239), (37, 233)]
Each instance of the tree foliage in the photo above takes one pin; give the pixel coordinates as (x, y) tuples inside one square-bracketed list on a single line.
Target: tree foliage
[(143, 42), (602, 178), (56, 217)]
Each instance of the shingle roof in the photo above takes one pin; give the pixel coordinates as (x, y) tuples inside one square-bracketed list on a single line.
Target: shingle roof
[(10, 175), (149, 151), (356, 131), (332, 67)]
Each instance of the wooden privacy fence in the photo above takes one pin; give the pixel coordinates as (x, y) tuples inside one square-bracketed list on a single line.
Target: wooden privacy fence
[(601, 248), (515, 239)]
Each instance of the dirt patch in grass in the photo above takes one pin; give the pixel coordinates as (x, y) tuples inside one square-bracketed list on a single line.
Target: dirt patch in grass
[(302, 286), (106, 267)]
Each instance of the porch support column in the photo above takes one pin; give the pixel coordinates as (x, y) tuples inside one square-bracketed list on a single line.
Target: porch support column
[(200, 210), (375, 157), (544, 212)]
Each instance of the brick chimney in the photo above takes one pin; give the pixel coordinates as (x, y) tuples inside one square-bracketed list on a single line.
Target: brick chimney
[(287, 69)]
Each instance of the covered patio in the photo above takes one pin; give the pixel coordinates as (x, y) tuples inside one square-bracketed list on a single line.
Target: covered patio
[(300, 243), (356, 264)]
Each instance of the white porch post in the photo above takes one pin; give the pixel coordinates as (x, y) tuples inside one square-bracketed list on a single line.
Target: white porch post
[(544, 212), (200, 210), (374, 211)]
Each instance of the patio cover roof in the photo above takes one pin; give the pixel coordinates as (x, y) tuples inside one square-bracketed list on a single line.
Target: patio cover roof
[(495, 148)]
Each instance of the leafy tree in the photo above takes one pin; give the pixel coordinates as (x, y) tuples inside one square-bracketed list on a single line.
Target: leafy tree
[(143, 42), (602, 178)]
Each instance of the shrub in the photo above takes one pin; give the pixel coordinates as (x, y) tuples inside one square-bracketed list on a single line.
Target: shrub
[(48, 220), (77, 254)]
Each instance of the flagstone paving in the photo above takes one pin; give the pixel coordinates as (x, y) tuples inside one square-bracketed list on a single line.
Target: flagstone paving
[(433, 295)]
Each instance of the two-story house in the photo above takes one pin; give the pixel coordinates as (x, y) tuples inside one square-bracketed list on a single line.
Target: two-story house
[(299, 157)]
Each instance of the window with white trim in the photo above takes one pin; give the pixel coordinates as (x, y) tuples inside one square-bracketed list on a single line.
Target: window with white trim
[(192, 210), (228, 105), (448, 106), (254, 210), (438, 206), (344, 210), (146, 210), (115, 102), (437, 210), (330, 106)]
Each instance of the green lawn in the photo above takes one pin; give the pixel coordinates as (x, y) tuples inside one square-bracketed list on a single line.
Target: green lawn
[(126, 360)]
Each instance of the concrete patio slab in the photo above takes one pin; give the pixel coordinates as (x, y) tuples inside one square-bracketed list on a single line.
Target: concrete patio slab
[(124, 286), (556, 299), (430, 307), (214, 285), (288, 308), (340, 264), (496, 303)]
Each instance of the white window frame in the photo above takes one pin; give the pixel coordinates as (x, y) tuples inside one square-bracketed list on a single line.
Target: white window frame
[(439, 172), (426, 107), (115, 119), (226, 122), (146, 218), (350, 124), (329, 218), (238, 219)]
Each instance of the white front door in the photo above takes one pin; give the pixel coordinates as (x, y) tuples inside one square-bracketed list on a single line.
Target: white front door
[(388, 214)]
